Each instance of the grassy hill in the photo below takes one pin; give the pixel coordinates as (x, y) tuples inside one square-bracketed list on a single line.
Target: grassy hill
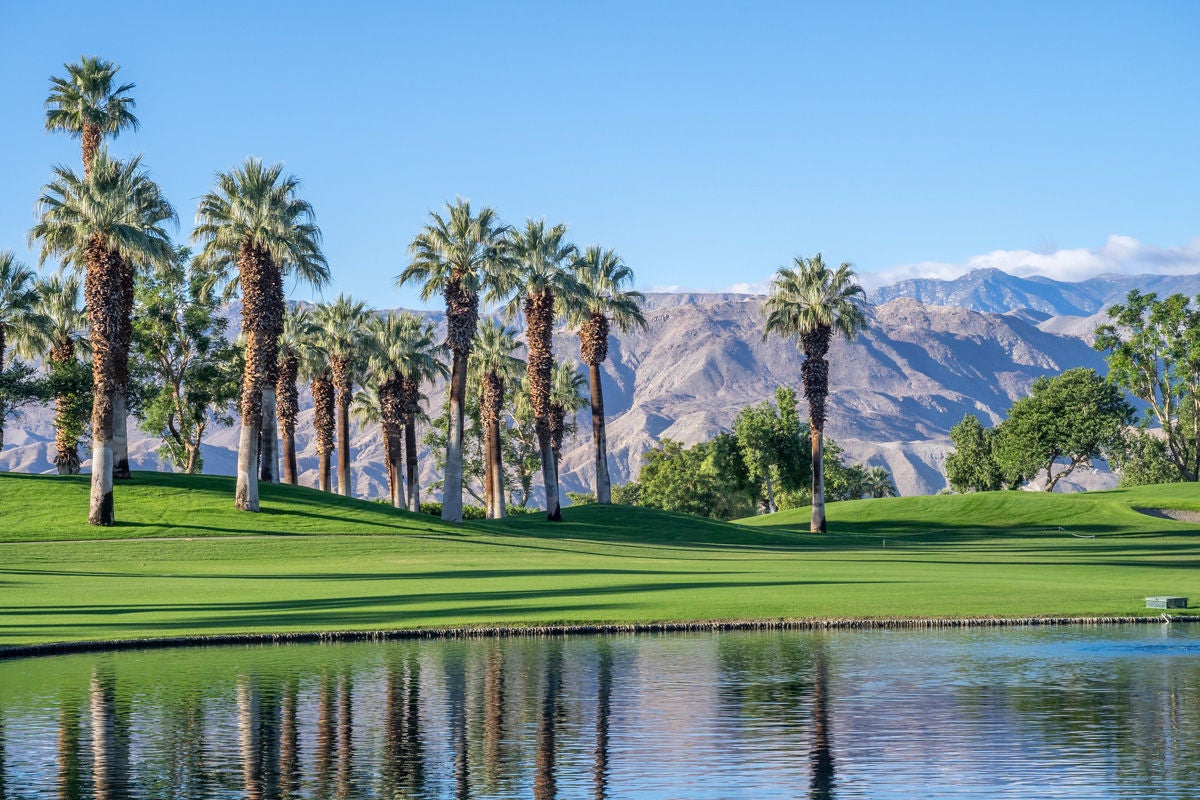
[(183, 562)]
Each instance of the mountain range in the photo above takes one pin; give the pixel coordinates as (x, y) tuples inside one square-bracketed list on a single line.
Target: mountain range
[(932, 351)]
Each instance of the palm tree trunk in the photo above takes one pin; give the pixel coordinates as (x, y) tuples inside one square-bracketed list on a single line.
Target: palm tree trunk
[(497, 463), (603, 484), (286, 405), (246, 493), (343, 445), (396, 471), (66, 449), (817, 440), (120, 437), (323, 424), (453, 479), (256, 273), (411, 467), (269, 460), (549, 470), (103, 301), (489, 490)]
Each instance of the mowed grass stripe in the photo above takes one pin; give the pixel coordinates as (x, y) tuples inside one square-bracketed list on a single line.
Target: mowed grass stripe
[(182, 562)]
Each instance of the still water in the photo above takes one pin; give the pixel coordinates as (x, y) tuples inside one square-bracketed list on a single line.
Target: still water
[(1032, 712)]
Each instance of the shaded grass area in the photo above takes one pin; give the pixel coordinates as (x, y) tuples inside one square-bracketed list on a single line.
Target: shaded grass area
[(328, 563)]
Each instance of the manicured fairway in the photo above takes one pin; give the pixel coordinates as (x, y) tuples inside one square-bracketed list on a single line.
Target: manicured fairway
[(182, 562)]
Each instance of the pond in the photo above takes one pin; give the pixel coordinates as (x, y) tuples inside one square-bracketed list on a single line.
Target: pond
[(1029, 712)]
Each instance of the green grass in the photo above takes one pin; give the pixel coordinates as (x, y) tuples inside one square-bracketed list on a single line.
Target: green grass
[(183, 562)]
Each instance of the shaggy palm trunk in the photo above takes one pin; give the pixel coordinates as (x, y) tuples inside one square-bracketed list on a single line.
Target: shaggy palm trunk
[(815, 375), (558, 430), (462, 318), (453, 479), (66, 443), (593, 349), (322, 392), (261, 321), (91, 143), (103, 300), (491, 402), (539, 316), (121, 356), (392, 408), (269, 439), (287, 405), (342, 379), (410, 464)]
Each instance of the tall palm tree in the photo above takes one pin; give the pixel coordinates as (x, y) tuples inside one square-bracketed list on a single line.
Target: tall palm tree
[(59, 301), (404, 355), (495, 369), (22, 326), (296, 342), (101, 224), (314, 367), (346, 337), (373, 406), (812, 302), (606, 303), (566, 398), (539, 284), (453, 256), (255, 221), (88, 104)]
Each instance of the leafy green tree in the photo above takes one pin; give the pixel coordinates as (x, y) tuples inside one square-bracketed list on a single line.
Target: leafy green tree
[(18, 388), (1153, 351), (972, 466), (522, 454), (179, 335), (1141, 459), (472, 449), (812, 303), (1076, 416), (254, 229), (605, 303), (455, 256), (769, 435), (704, 480)]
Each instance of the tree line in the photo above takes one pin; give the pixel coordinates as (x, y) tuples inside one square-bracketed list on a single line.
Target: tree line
[(1152, 349)]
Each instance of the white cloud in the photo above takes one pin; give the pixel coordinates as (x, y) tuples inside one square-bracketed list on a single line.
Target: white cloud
[(1120, 254)]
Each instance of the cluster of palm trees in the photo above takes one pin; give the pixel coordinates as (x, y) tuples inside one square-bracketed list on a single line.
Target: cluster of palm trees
[(253, 230)]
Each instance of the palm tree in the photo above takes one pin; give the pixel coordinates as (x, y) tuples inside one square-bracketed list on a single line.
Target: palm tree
[(314, 367), (495, 368), (101, 224), (566, 398), (58, 301), (403, 356), (296, 342), (22, 326), (878, 482), (454, 256), (87, 104), (538, 281), (606, 303), (346, 338), (255, 220), (371, 407), (812, 302)]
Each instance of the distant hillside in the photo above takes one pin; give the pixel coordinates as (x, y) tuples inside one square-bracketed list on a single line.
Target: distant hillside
[(998, 292), (896, 390)]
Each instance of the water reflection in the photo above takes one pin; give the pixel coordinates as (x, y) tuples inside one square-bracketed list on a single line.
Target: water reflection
[(1071, 713)]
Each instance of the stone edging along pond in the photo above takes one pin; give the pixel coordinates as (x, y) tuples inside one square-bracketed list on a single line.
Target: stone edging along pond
[(474, 632)]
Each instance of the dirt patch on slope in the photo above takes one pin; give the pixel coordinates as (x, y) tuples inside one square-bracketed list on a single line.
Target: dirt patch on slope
[(1176, 514)]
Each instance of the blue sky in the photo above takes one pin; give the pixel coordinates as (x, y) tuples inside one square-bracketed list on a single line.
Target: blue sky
[(708, 143)]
